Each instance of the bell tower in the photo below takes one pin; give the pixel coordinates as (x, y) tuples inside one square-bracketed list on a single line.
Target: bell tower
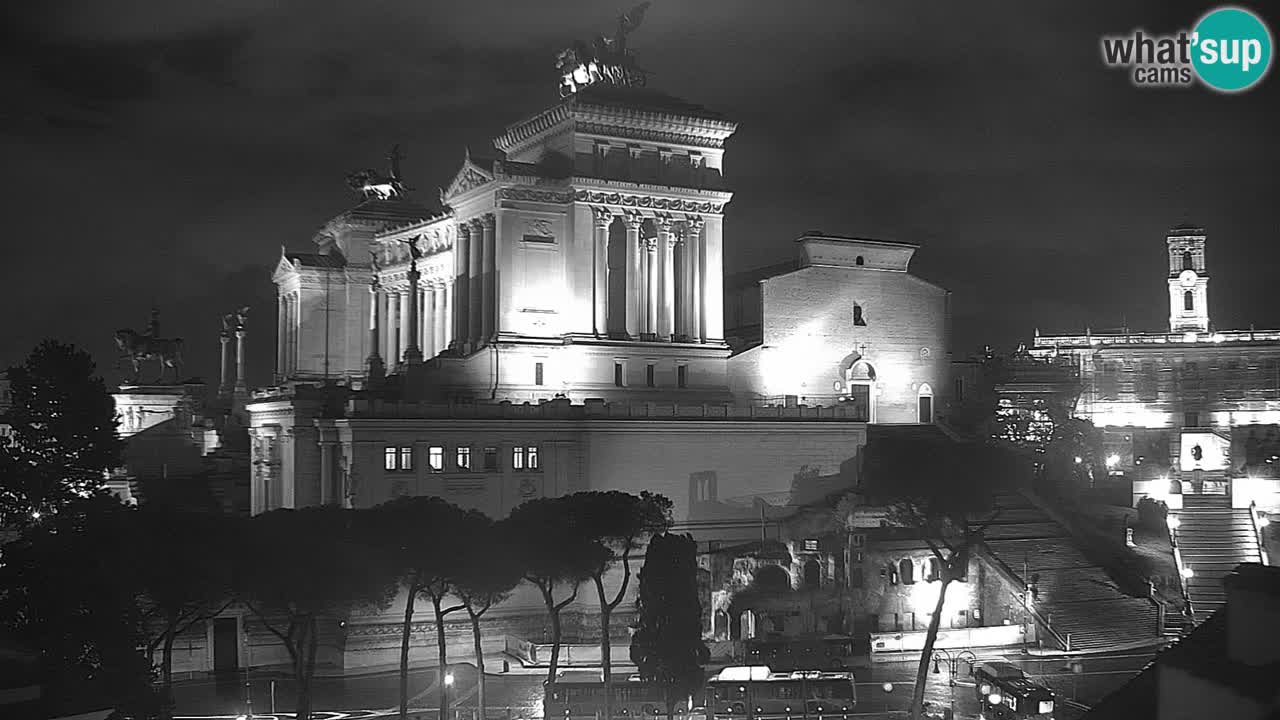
[(1188, 280)]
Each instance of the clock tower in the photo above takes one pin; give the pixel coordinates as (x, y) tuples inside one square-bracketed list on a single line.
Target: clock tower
[(1188, 280)]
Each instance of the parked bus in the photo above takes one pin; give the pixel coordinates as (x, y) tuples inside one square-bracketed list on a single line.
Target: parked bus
[(758, 693), (582, 698), (809, 652), (1006, 693)]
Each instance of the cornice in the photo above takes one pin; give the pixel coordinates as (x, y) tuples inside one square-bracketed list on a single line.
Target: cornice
[(661, 135), (649, 202), (529, 128)]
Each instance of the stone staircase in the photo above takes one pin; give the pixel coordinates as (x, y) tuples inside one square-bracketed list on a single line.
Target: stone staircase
[(1213, 539), (1078, 599)]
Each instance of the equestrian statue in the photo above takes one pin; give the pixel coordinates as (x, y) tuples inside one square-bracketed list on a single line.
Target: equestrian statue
[(141, 347)]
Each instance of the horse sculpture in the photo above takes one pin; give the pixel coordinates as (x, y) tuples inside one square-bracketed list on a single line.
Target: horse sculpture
[(139, 348)]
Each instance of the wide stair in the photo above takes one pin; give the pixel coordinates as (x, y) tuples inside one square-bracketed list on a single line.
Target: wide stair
[(1077, 597), (1213, 539)]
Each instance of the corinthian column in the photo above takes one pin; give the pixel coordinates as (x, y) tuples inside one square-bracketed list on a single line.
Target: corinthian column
[(412, 352), (600, 274), (635, 279), (693, 268), (489, 279), (651, 288), (462, 278), (374, 367), (241, 387), (667, 277), (476, 285), (223, 385)]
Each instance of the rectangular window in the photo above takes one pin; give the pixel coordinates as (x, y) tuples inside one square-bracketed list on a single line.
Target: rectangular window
[(491, 458), (617, 374), (435, 458), (648, 375), (517, 458), (959, 389), (406, 458), (682, 375), (464, 458), (531, 457), (537, 373), (389, 458)]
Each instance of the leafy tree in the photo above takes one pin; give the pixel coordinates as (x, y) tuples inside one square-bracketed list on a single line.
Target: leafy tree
[(944, 491), (422, 538), (553, 555), (618, 523), (64, 434), (667, 647), (307, 565), (489, 571), (185, 571), (69, 587)]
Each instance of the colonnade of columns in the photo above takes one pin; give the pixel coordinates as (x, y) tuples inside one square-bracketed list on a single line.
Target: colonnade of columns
[(661, 304), (475, 252), (396, 310)]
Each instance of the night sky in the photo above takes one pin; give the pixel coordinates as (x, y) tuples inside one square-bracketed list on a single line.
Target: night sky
[(161, 151)]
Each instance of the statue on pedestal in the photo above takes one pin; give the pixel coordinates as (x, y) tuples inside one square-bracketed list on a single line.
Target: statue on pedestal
[(373, 185), (140, 347)]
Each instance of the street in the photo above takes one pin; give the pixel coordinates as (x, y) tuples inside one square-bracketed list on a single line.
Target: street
[(518, 695)]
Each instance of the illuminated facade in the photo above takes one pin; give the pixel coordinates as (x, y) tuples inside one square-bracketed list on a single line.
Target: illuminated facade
[(1195, 403), (557, 325)]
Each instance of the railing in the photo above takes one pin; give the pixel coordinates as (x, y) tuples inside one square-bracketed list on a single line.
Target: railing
[(1182, 577), (1043, 621), (1257, 531)]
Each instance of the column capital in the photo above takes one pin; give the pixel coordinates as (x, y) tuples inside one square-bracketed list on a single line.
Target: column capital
[(693, 224), (464, 228), (486, 221), (664, 222), (633, 219), (603, 216), (650, 244)]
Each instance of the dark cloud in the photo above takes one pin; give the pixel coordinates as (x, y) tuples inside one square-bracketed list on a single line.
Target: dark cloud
[(163, 151)]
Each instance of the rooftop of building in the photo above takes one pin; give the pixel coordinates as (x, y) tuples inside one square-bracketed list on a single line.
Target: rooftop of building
[(1126, 337), (1205, 654)]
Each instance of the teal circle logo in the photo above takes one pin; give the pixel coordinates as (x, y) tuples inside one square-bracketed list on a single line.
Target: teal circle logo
[(1231, 49)]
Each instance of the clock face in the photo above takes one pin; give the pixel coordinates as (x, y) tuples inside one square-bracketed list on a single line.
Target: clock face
[(1187, 278)]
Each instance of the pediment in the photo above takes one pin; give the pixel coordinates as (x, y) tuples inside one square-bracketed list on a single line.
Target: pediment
[(284, 269), (469, 177)]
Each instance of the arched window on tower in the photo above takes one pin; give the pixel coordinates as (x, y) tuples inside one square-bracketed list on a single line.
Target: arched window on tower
[(858, 260), (1188, 262), (1188, 301), (857, 316)]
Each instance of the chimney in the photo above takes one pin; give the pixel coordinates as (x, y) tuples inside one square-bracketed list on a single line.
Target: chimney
[(1253, 614)]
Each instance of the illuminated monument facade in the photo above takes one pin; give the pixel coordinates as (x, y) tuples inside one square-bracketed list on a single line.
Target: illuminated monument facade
[(556, 324), (1195, 405)]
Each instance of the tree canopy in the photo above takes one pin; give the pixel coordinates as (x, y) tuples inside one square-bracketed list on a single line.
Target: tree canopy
[(64, 434), (667, 646)]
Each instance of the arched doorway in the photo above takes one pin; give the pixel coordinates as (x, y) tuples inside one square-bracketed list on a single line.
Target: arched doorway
[(860, 381), (924, 402)]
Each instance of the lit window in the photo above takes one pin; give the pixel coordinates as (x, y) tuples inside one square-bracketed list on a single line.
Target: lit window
[(811, 545), (435, 458), (389, 458), (406, 458), (617, 374), (649, 375), (517, 458), (463, 458), (491, 458), (682, 376), (531, 457), (537, 373)]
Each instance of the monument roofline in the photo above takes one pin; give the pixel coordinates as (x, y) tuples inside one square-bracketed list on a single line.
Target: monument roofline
[(1148, 340), (632, 113)]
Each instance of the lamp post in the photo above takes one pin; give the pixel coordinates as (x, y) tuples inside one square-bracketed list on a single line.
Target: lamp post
[(444, 689)]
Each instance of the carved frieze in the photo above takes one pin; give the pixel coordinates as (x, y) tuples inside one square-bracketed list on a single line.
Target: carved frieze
[(538, 227), (648, 202), (559, 197)]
